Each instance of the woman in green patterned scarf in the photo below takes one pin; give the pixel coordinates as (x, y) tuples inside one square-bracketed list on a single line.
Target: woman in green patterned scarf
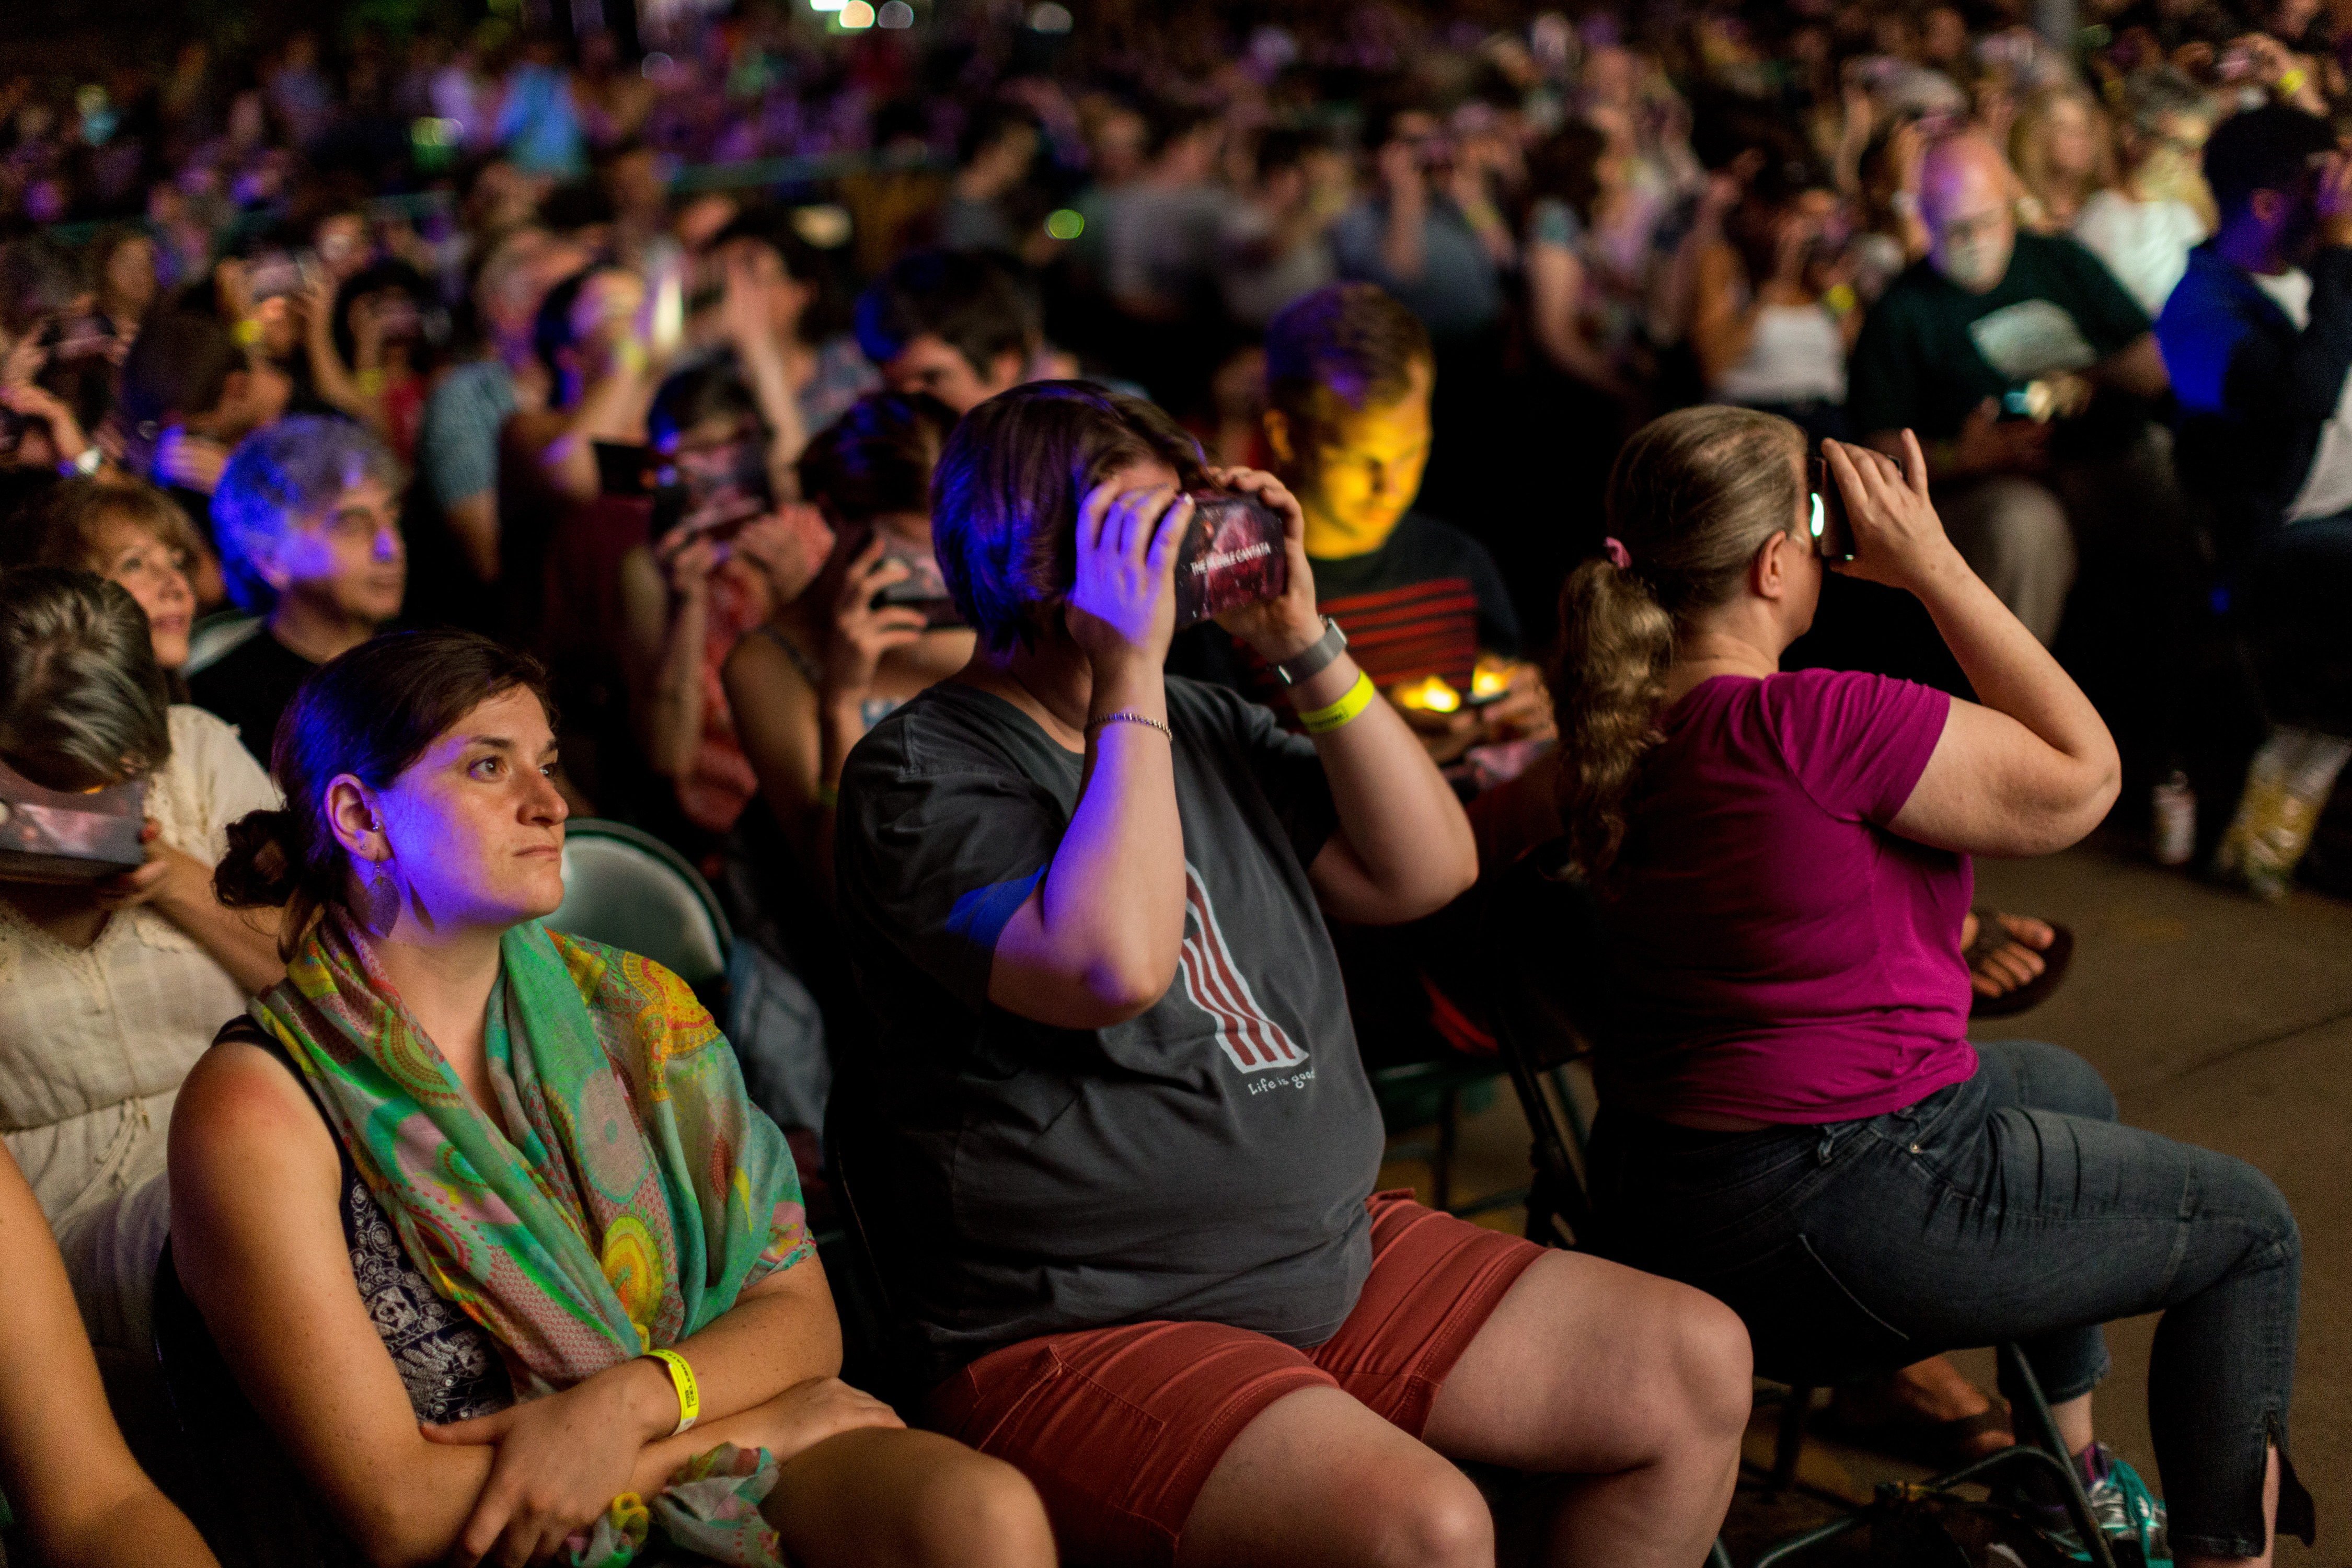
[(479, 1216)]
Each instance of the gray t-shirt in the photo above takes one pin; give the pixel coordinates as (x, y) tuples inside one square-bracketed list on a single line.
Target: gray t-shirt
[(1208, 1161)]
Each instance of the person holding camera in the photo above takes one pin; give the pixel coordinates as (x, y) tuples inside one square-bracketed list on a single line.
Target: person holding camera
[(1113, 1144), (873, 629), (110, 988), (1792, 1116)]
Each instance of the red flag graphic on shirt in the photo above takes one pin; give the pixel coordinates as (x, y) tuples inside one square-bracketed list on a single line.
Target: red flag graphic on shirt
[(1252, 1041)]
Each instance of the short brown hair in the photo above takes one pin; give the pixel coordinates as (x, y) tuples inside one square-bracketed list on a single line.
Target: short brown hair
[(1350, 341), (1004, 498), (82, 704), (68, 530)]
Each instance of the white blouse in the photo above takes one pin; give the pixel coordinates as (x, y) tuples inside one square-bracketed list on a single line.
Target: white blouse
[(94, 1041)]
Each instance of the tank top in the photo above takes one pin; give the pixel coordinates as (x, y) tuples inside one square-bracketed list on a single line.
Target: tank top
[(1796, 354)]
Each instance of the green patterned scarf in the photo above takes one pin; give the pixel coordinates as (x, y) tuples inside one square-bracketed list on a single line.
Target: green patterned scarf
[(641, 1192)]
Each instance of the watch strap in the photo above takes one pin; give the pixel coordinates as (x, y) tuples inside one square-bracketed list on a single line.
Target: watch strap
[(1316, 656)]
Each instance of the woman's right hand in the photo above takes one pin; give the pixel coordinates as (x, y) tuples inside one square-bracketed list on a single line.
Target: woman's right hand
[(1898, 540), (1122, 604), (806, 1414), (559, 1461), (862, 631)]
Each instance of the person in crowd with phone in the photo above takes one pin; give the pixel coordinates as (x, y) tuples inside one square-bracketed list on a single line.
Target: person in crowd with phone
[(478, 1215), (1428, 230), (724, 557), (374, 340), (2258, 339), (129, 534), (309, 518), (1792, 1116), (875, 627), (1113, 1144), (1954, 349), (78, 1496), (189, 392), (111, 985)]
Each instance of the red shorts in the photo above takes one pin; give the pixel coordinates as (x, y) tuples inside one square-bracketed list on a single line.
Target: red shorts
[(1119, 1427)]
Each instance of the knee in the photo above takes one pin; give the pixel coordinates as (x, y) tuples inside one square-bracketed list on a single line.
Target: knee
[(1713, 1368), (979, 1512), (1440, 1522)]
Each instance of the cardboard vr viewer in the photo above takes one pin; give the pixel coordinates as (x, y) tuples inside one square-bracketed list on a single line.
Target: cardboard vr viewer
[(56, 835)]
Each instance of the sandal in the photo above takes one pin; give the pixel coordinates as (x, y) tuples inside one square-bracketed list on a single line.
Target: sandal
[(1992, 935), (1869, 1418)]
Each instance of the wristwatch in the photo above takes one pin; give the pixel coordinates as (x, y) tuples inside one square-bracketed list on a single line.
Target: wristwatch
[(1316, 656), (84, 463)]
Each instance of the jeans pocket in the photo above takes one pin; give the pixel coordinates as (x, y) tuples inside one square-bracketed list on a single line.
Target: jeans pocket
[(1806, 1325)]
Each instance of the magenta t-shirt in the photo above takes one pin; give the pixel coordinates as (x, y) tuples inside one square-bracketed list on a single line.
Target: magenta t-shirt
[(1779, 955)]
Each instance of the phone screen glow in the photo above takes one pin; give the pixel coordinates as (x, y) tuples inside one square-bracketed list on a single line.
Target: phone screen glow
[(1819, 522)]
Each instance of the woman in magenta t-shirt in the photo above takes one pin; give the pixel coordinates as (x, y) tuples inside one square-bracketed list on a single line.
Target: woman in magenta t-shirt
[(1793, 1118)]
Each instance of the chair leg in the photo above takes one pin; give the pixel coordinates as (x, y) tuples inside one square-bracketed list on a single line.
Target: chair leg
[(1795, 1410), (2017, 1373)]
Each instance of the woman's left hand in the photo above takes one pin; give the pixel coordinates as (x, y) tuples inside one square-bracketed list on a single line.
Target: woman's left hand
[(1284, 627), (561, 1461)]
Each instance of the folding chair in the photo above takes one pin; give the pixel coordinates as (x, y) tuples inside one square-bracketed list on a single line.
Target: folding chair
[(626, 889)]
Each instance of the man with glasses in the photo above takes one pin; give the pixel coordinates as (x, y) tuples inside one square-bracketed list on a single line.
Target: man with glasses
[(2028, 371)]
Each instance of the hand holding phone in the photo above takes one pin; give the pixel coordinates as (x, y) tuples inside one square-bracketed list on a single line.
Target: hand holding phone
[(1897, 539)]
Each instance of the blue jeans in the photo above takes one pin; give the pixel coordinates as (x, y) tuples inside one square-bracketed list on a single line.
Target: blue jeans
[(2008, 1207)]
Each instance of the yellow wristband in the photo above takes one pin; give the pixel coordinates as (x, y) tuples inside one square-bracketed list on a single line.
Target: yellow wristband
[(828, 796), (1323, 721), (247, 333), (2290, 82), (681, 1378)]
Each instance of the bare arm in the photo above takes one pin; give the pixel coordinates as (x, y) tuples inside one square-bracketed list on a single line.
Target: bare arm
[(1403, 848), (1721, 328), (612, 410), (180, 887), (474, 520), (775, 718), (1402, 242), (1096, 944), (1555, 293), (2033, 769), (666, 619), (80, 1498), (333, 380)]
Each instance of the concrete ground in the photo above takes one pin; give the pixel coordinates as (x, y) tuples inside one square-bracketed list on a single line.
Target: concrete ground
[(2218, 1020)]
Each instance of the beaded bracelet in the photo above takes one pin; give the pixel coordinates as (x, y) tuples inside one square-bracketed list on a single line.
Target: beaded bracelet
[(1125, 717)]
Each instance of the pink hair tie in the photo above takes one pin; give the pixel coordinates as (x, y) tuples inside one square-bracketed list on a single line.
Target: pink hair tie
[(1617, 553)]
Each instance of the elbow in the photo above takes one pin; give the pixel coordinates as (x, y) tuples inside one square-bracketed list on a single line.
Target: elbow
[(2067, 819), (1119, 991)]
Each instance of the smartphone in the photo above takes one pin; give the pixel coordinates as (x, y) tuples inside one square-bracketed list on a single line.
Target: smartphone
[(923, 588), (273, 276), (713, 491), (625, 470), (1233, 555), (1833, 530)]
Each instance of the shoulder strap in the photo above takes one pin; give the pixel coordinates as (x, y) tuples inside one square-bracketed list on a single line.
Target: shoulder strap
[(800, 662)]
